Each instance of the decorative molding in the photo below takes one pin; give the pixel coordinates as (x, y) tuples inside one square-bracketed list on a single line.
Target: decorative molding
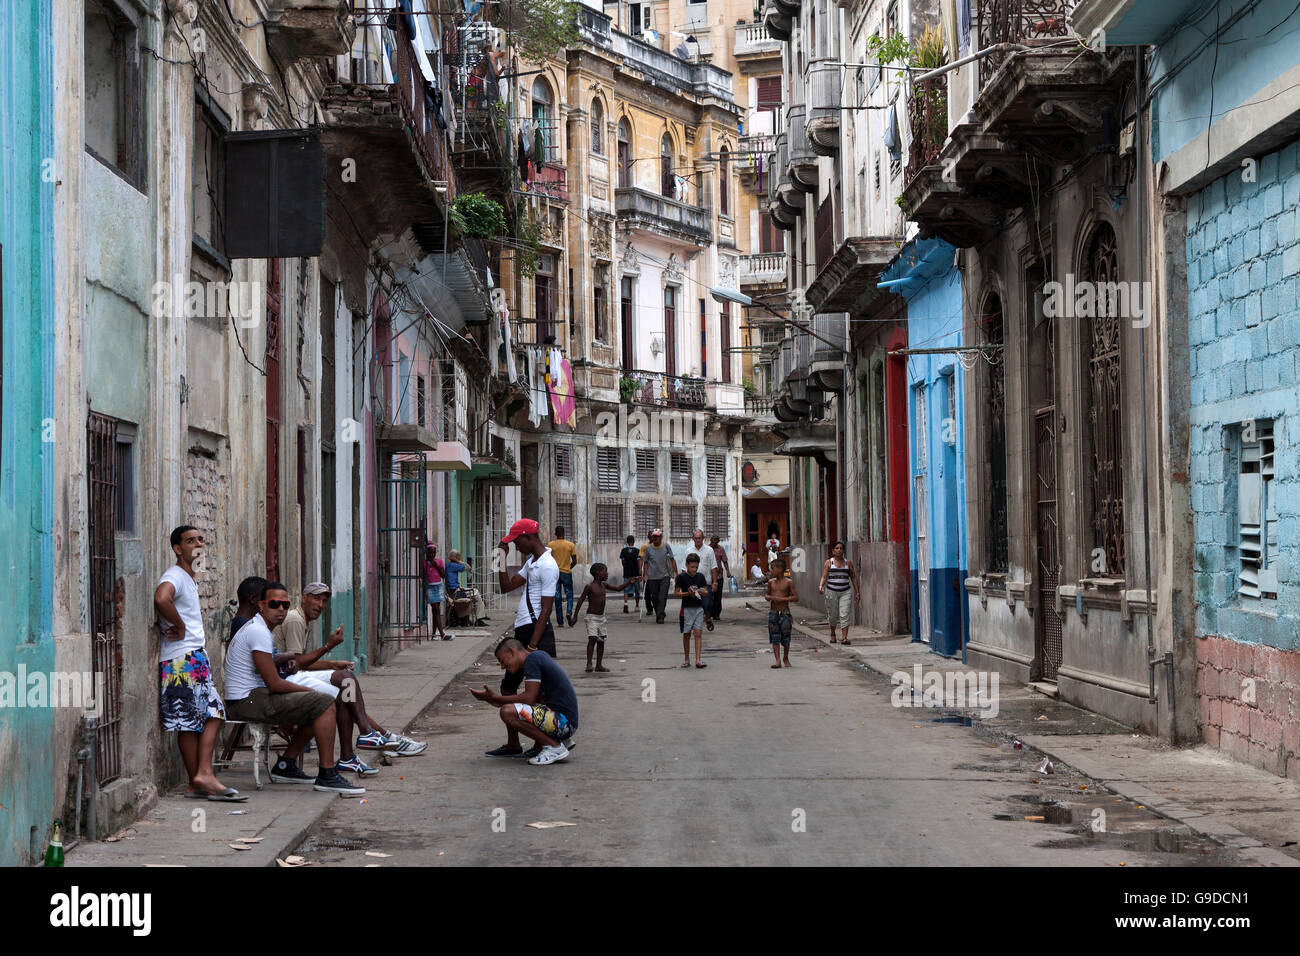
[(631, 262), (673, 268)]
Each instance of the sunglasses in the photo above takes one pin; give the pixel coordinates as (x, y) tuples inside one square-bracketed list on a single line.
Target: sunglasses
[(278, 605)]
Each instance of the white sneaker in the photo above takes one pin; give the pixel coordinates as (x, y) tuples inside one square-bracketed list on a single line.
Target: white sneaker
[(449, 637), (410, 748), (550, 755)]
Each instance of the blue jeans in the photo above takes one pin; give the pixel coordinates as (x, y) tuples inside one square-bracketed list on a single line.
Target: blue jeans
[(632, 590), (565, 584)]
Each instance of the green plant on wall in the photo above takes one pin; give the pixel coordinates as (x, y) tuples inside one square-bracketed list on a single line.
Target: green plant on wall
[(538, 29), (927, 53), (477, 216), (528, 243)]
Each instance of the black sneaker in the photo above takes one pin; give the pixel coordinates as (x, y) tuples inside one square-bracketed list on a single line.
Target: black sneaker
[(331, 781), (530, 754), (503, 751), (286, 771)]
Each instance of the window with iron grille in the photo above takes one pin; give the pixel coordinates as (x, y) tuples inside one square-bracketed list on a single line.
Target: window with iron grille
[(124, 493), (563, 462), (717, 521), (648, 518), (717, 467), (681, 473), (563, 517), (419, 400), (646, 477), (681, 520), (610, 523), (607, 470), (1257, 513)]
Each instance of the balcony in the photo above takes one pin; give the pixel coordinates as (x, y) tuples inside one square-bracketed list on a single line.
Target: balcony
[(550, 182), (1017, 21), (481, 143), (754, 161), (763, 268), (1040, 108), (668, 391), (755, 42), (639, 209), (826, 364), (304, 29), (390, 131), (778, 23), (847, 282), (785, 203), (927, 116), (802, 159), (824, 78)]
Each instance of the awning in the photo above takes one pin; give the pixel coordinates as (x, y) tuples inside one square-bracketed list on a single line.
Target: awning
[(766, 491)]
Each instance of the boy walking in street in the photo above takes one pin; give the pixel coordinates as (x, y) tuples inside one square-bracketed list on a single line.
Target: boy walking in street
[(631, 559), (596, 621), (691, 588), (780, 592)]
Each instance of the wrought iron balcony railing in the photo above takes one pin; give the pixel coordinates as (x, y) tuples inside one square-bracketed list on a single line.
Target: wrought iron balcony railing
[(927, 114), (669, 391), (1017, 21)]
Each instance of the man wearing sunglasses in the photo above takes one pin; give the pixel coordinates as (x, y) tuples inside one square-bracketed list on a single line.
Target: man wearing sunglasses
[(256, 692)]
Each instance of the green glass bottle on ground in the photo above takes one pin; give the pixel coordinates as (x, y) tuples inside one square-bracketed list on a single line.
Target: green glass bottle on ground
[(54, 855)]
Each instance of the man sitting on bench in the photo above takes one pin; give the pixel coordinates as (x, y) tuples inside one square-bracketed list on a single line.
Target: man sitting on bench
[(255, 692), (291, 637)]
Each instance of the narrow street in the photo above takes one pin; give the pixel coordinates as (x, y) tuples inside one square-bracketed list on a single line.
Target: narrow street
[(716, 770)]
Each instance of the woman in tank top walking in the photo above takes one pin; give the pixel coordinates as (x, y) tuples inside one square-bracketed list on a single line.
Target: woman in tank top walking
[(840, 585)]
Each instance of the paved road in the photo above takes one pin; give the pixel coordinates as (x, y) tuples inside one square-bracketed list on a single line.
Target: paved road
[(723, 766)]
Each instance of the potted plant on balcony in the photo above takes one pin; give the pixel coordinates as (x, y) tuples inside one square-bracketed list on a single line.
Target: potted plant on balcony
[(477, 217), (629, 387), (750, 388)]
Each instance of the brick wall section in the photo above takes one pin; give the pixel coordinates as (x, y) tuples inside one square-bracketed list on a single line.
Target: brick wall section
[(204, 491), (1243, 276), (1264, 732)]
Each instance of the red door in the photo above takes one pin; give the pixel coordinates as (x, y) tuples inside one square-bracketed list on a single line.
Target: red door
[(273, 421)]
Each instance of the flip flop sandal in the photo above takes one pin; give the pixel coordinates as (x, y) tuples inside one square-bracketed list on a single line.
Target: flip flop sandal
[(846, 643), (602, 670), (229, 795), (195, 795), (708, 625), (701, 665), (834, 641), (686, 664)]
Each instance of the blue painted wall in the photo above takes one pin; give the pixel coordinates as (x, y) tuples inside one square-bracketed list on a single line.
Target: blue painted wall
[(932, 287), (26, 462), (1223, 75), (1243, 277)]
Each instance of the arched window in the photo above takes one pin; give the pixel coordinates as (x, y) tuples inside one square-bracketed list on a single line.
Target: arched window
[(543, 123), (724, 183), (1103, 374), (624, 155), (597, 128), (666, 186)]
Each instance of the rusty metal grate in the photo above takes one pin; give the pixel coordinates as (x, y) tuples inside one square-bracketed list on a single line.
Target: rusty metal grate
[(1104, 376), (101, 458), (1047, 621)]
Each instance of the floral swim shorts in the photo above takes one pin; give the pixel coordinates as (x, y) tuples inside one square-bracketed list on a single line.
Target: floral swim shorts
[(188, 699)]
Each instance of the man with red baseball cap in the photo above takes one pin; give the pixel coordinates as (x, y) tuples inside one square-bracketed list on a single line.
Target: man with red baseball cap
[(538, 577)]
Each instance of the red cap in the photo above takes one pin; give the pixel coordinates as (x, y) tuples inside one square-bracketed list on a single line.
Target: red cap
[(522, 526)]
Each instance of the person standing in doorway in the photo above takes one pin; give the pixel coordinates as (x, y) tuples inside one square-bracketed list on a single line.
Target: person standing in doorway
[(839, 582), (565, 552), (188, 699), (657, 567), (631, 559), (724, 568), (434, 573)]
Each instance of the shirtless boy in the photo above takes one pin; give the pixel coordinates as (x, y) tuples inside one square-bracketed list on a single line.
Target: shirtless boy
[(594, 595), (780, 593)]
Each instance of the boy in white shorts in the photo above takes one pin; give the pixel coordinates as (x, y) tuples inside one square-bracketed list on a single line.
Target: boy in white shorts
[(594, 595)]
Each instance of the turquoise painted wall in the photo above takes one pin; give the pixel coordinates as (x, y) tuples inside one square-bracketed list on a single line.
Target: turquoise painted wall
[(1251, 53), (26, 462)]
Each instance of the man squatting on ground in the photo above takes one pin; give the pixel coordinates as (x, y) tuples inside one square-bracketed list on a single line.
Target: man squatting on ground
[(551, 723), (597, 623)]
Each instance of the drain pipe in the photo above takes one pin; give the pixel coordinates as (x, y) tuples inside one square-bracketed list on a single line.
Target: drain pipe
[(90, 725), (1152, 659)]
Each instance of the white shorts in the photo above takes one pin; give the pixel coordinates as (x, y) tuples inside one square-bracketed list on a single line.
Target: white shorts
[(314, 680), (596, 626)]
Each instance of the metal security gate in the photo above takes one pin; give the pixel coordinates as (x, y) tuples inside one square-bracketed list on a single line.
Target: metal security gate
[(1047, 623), (101, 456), (922, 516), (403, 613)]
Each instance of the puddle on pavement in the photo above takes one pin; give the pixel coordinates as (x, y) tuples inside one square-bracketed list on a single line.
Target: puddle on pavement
[(953, 719)]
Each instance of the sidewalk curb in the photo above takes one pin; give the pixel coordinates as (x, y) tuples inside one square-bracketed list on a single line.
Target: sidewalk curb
[(473, 647), (1211, 826)]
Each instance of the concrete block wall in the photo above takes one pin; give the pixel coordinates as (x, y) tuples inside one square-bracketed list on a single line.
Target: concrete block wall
[(1243, 277)]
